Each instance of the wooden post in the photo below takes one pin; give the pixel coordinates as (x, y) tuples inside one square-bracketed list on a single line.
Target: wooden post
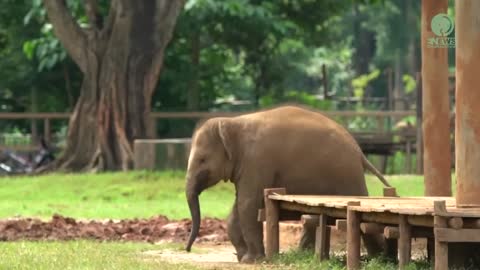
[(325, 82), (408, 156), (390, 95), (467, 121), (391, 245), (441, 248), (309, 224), (272, 216), (390, 192), (152, 129), (353, 237), (435, 103), (46, 130), (322, 239), (144, 155), (404, 242), (419, 140)]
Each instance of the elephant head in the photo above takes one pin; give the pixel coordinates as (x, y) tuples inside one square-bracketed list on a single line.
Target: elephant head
[(209, 162)]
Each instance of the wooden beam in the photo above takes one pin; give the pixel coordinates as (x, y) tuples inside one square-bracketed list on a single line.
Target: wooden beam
[(390, 192), (272, 212), (419, 141), (435, 106), (322, 239), (455, 222), (457, 235), (353, 237), (467, 122), (332, 212), (441, 248), (391, 232), (404, 242)]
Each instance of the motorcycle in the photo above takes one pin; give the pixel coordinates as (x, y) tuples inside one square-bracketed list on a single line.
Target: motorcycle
[(12, 163)]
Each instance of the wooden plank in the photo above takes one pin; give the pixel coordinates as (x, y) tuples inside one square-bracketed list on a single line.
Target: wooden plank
[(322, 239), (391, 232), (333, 212), (457, 235), (419, 138), (15, 116), (390, 192), (272, 222), (441, 248), (404, 242), (353, 238)]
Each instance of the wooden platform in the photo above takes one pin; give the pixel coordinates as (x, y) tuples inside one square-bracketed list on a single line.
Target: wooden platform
[(397, 218)]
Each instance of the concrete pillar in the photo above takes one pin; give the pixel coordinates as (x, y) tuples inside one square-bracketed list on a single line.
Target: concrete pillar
[(435, 105), (467, 118)]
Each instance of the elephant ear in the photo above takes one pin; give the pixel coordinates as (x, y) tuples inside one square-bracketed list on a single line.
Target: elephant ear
[(225, 133)]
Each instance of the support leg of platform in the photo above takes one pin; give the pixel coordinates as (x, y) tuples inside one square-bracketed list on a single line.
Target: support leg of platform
[(353, 237), (391, 245), (441, 248), (404, 242), (430, 249), (272, 213), (322, 239), (309, 228)]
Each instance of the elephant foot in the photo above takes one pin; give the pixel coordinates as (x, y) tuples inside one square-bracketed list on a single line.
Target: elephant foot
[(240, 255), (251, 258)]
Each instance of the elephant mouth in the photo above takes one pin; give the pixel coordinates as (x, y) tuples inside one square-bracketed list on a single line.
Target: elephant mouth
[(201, 181)]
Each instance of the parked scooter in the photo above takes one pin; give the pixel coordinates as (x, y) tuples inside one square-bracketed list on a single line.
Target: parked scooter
[(13, 163)]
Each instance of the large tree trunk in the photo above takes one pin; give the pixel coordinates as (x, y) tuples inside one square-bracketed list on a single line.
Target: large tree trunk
[(121, 60)]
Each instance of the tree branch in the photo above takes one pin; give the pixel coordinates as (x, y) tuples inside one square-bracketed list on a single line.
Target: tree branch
[(110, 20), (168, 12), (93, 15), (67, 30)]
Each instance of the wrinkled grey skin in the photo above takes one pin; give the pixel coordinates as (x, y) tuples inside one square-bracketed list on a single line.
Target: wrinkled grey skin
[(291, 147)]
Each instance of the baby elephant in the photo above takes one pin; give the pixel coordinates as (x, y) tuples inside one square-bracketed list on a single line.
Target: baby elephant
[(291, 147)]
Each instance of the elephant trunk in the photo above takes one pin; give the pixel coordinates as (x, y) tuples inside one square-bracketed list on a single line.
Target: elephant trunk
[(194, 205)]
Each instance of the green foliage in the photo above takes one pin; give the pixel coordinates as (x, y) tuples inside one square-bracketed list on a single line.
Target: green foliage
[(410, 83), (360, 83), (296, 97), (306, 260)]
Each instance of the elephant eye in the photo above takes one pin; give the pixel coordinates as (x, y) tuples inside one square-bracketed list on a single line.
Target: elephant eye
[(201, 160)]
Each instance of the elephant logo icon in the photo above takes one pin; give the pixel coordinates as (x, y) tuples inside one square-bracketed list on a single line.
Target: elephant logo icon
[(442, 25)]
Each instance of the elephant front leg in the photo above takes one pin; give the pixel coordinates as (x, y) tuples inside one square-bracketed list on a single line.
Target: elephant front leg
[(252, 229), (235, 233)]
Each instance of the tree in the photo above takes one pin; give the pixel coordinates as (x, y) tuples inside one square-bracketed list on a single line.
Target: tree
[(120, 54)]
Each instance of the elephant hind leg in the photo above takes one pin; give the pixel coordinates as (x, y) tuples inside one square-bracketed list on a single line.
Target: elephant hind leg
[(374, 243), (235, 233)]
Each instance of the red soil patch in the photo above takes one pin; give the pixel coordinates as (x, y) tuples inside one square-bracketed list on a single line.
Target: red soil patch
[(151, 230)]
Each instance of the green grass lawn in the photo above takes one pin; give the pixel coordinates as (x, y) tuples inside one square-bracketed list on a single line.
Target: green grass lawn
[(107, 195), (132, 195), (83, 255)]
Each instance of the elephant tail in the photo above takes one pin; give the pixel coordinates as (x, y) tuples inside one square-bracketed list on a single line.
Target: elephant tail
[(369, 166)]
